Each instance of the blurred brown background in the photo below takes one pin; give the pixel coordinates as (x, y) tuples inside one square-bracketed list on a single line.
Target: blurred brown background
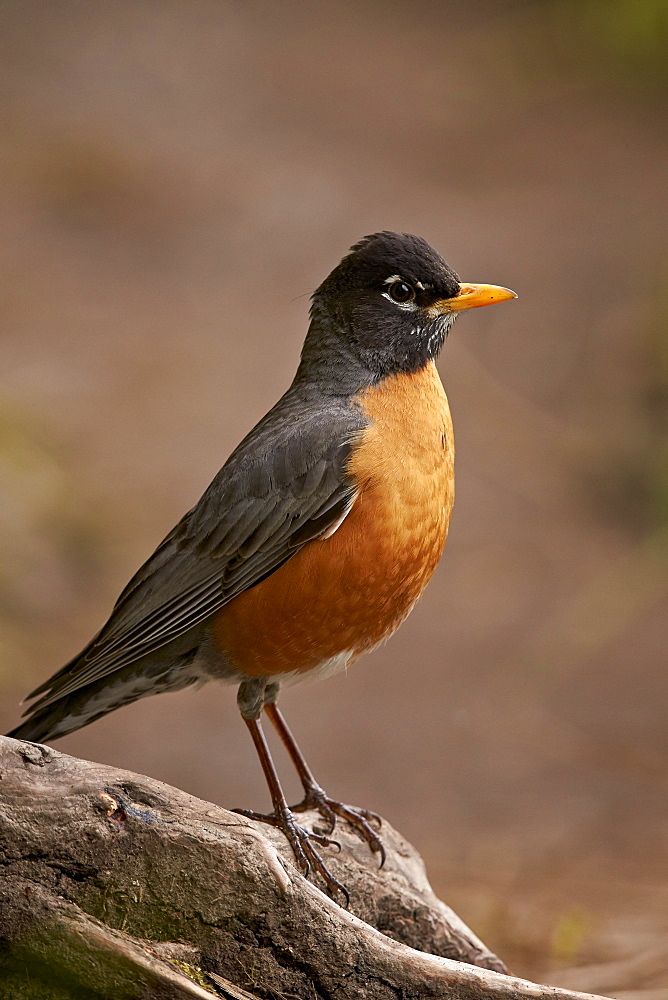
[(174, 179)]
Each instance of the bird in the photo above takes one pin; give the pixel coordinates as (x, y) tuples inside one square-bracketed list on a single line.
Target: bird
[(313, 542)]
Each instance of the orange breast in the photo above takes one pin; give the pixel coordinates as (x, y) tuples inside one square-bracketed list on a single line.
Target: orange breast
[(348, 592)]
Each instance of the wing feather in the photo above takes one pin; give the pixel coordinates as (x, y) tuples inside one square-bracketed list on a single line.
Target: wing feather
[(263, 506)]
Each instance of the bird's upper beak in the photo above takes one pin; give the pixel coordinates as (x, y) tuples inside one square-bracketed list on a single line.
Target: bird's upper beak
[(471, 296)]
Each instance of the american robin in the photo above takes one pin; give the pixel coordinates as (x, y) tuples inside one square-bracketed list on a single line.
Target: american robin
[(315, 539)]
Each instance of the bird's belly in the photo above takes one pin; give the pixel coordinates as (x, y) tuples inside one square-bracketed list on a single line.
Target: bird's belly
[(340, 596)]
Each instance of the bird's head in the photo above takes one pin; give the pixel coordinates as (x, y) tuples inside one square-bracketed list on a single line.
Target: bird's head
[(393, 299)]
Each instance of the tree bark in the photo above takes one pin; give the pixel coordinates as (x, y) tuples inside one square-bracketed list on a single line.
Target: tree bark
[(116, 885)]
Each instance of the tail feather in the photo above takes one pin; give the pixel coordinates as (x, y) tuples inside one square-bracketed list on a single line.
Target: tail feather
[(91, 701), (57, 720)]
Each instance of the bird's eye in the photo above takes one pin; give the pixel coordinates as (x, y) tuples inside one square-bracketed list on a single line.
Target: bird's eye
[(401, 291)]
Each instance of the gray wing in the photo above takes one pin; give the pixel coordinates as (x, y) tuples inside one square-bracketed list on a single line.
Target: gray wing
[(276, 493)]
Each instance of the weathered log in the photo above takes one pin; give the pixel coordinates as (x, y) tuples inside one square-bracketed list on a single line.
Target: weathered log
[(116, 885)]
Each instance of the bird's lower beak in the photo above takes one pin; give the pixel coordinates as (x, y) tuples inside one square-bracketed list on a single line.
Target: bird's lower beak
[(471, 296)]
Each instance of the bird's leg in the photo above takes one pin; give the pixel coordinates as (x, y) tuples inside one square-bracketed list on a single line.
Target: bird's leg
[(300, 839), (316, 798)]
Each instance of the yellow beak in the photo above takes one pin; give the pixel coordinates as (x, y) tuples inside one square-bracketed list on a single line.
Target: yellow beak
[(472, 296)]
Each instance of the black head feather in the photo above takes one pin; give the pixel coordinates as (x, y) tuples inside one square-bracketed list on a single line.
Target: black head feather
[(355, 311), (374, 258)]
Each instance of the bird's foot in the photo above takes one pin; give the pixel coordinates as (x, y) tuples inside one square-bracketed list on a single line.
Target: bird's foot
[(301, 841), (316, 798)]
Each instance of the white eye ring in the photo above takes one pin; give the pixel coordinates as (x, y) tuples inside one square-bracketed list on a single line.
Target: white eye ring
[(400, 291), (407, 305)]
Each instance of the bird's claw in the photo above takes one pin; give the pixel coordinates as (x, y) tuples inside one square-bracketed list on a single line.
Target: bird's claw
[(316, 798), (301, 841)]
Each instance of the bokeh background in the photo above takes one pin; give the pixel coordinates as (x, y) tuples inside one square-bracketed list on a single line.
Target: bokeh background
[(175, 178)]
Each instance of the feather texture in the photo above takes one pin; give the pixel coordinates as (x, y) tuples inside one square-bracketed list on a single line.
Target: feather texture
[(261, 508)]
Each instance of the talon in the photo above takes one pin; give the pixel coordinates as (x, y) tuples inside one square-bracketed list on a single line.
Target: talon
[(301, 841), (332, 884), (324, 829), (372, 817), (329, 809), (325, 841)]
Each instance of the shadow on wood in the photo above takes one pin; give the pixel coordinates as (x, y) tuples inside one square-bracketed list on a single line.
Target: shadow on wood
[(115, 885)]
